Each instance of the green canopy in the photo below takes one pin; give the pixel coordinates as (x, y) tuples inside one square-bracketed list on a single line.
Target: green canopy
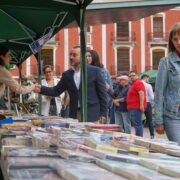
[(152, 74), (25, 22)]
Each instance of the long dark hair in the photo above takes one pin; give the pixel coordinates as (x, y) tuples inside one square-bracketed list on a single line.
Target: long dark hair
[(95, 58), (3, 51), (174, 30)]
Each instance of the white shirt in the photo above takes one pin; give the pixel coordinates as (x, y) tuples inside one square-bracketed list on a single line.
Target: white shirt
[(149, 92), (77, 80)]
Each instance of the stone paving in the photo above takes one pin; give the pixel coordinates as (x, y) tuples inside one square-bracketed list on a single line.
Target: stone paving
[(146, 133)]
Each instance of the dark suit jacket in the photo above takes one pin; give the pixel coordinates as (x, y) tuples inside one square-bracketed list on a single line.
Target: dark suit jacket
[(97, 96)]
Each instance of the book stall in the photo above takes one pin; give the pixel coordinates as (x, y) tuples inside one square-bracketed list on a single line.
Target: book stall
[(54, 148)]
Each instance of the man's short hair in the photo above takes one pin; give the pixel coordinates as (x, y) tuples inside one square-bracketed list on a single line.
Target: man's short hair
[(144, 76), (76, 47), (133, 72)]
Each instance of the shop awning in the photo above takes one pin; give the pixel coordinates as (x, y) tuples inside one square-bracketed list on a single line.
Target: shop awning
[(112, 11), (152, 75)]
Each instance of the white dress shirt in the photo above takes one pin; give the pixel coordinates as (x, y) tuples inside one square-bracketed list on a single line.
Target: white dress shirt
[(149, 92), (77, 75), (77, 80)]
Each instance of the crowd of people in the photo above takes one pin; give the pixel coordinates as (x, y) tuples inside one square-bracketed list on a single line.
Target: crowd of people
[(123, 103)]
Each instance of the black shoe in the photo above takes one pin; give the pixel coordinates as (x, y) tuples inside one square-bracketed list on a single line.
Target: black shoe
[(152, 137)]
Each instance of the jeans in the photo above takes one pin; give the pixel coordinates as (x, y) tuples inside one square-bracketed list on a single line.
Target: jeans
[(148, 114), (122, 119), (112, 114), (172, 127), (135, 116), (2, 104)]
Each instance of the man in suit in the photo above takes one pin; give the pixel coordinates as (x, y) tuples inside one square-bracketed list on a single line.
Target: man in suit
[(70, 81)]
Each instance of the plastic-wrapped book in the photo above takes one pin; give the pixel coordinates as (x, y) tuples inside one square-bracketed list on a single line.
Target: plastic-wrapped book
[(159, 156), (20, 141), (73, 170), (75, 155), (32, 174), (173, 152), (157, 145), (32, 152), (115, 157), (167, 167), (31, 162), (110, 127), (153, 175), (129, 146), (132, 171), (143, 142), (100, 146), (127, 170), (170, 170), (56, 124)]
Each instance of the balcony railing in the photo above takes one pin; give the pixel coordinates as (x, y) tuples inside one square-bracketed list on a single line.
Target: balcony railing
[(123, 36), (155, 67), (122, 69), (158, 37)]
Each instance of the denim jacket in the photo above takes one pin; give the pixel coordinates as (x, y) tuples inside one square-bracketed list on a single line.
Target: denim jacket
[(107, 79), (167, 89)]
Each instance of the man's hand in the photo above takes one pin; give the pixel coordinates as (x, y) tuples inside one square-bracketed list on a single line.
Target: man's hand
[(37, 88), (141, 100), (116, 102), (160, 129), (141, 108), (107, 86), (102, 119)]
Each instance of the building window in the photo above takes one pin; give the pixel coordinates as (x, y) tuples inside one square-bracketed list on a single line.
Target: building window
[(123, 31), (158, 26), (157, 55), (88, 29), (88, 48), (123, 60), (47, 57), (88, 35)]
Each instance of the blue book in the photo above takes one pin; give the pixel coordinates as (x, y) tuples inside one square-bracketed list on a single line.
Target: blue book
[(7, 121)]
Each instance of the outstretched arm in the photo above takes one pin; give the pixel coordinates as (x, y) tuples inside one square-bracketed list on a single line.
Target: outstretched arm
[(54, 91)]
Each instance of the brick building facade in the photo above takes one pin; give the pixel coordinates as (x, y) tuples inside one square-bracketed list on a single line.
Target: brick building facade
[(136, 45)]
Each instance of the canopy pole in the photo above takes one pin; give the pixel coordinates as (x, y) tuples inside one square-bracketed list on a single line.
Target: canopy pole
[(83, 66), (38, 58), (20, 82)]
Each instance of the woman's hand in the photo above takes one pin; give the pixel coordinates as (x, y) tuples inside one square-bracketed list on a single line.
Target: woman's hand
[(160, 129), (37, 88), (102, 119), (116, 102), (107, 86)]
